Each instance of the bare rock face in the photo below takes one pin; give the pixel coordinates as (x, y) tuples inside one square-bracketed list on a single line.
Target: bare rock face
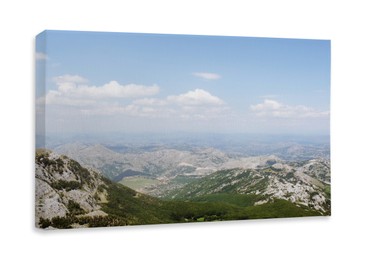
[(48, 201), (64, 188)]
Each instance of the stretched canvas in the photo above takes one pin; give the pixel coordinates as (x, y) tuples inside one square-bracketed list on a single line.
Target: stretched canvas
[(135, 129)]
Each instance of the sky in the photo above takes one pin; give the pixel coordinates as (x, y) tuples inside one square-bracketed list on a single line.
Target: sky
[(89, 82)]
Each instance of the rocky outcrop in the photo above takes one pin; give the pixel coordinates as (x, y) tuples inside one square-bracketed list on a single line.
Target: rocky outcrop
[(64, 188)]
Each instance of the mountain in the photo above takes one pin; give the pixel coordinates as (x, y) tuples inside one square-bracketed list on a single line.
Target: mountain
[(69, 195), (158, 163), (305, 184), (63, 187), (158, 170)]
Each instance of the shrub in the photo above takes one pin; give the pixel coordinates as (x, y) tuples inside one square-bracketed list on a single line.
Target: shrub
[(61, 222), (44, 223), (80, 171), (74, 208), (66, 185)]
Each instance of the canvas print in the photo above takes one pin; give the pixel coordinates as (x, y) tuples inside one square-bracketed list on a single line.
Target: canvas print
[(135, 129)]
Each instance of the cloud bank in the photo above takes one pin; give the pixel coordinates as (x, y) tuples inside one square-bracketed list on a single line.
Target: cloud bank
[(73, 90), (135, 100), (273, 108)]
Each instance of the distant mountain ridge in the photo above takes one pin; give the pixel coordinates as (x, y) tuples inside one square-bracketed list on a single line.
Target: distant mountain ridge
[(171, 169), (162, 162)]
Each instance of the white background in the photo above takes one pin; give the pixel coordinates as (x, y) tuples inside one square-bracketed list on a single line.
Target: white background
[(342, 235)]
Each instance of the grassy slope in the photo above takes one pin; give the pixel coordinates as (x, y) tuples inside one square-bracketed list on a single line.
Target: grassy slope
[(135, 208), (233, 204), (142, 209), (212, 182)]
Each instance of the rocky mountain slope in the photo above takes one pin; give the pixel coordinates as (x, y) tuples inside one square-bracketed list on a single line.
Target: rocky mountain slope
[(69, 195), (305, 184), (63, 187)]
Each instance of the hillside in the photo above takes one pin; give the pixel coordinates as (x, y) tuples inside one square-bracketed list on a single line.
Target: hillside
[(305, 184), (71, 196)]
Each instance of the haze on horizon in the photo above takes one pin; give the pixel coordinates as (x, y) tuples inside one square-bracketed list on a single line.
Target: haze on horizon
[(135, 83)]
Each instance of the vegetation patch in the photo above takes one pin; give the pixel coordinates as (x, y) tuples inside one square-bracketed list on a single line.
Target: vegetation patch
[(327, 190), (68, 221), (66, 185), (74, 208), (80, 171)]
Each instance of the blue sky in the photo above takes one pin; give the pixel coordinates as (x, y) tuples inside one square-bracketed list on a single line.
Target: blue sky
[(109, 82)]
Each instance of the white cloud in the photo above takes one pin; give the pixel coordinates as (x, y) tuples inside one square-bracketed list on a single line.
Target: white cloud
[(41, 56), (112, 90), (73, 90), (207, 75), (196, 97), (273, 108), (267, 105), (54, 97), (113, 99), (193, 105), (150, 102)]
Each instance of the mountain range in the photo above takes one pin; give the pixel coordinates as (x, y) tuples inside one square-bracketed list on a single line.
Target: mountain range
[(70, 194), (159, 169)]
